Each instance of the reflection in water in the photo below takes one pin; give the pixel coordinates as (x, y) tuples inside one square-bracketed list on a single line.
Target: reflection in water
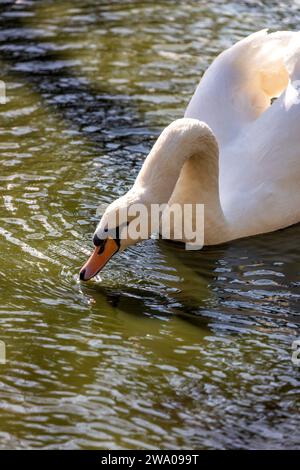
[(170, 349)]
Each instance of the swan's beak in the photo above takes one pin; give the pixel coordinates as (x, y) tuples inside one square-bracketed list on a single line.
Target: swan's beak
[(98, 259)]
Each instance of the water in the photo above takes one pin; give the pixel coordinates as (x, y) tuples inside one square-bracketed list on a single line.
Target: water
[(171, 349)]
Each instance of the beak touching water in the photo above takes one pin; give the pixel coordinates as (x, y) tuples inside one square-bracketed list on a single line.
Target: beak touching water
[(98, 259)]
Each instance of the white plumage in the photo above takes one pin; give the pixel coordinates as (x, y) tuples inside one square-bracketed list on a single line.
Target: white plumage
[(259, 143), (233, 151)]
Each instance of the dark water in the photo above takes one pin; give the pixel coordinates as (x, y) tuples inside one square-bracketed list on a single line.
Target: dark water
[(171, 349)]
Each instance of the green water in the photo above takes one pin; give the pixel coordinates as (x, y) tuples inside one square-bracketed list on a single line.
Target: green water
[(171, 349)]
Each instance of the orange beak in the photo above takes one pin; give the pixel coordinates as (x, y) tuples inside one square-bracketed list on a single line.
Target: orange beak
[(98, 259)]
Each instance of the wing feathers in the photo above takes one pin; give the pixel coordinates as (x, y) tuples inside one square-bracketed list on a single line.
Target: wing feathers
[(239, 85)]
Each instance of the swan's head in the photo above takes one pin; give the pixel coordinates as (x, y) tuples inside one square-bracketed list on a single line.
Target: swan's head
[(116, 231)]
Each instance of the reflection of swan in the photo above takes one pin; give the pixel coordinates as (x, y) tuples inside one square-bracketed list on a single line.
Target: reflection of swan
[(233, 151)]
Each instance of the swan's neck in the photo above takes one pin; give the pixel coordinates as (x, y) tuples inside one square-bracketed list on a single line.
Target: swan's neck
[(176, 144), (183, 167)]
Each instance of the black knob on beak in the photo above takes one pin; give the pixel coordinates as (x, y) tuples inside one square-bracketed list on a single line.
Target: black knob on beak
[(96, 240)]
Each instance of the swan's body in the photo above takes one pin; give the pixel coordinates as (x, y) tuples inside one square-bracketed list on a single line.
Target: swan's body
[(233, 151), (259, 180)]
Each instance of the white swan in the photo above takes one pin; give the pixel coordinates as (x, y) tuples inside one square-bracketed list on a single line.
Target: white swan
[(233, 151)]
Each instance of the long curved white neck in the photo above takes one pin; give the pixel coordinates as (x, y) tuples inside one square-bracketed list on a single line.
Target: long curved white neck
[(183, 167), (178, 142)]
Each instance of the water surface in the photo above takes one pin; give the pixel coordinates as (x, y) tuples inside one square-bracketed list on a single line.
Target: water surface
[(172, 349)]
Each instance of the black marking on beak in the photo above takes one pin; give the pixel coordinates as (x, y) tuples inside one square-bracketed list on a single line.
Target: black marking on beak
[(96, 240), (101, 247), (101, 243)]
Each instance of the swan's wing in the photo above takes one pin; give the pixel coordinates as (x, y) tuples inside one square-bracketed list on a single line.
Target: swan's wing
[(260, 171), (275, 135), (240, 83)]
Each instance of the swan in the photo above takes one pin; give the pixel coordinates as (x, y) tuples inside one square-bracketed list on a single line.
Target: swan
[(236, 150)]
